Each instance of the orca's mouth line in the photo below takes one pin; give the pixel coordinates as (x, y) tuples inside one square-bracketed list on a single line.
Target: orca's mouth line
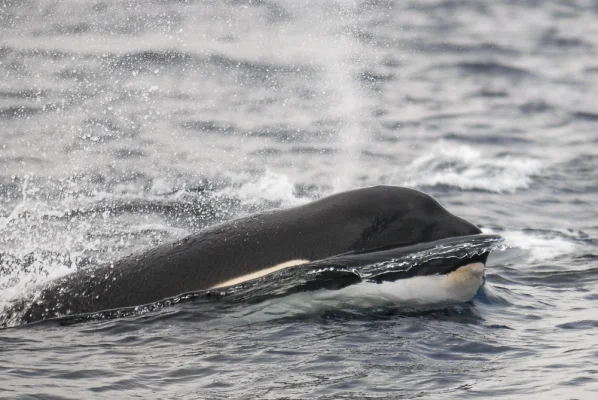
[(434, 266), (429, 258)]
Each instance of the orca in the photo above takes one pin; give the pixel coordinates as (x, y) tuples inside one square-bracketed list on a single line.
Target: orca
[(355, 227)]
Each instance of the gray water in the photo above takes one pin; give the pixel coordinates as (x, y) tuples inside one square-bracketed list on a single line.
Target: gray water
[(131, 123)]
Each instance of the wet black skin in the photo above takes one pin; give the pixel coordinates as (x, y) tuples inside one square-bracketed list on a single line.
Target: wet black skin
[(379, 217)]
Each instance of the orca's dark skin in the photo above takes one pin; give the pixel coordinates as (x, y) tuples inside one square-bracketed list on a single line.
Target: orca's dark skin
[(353, 221)]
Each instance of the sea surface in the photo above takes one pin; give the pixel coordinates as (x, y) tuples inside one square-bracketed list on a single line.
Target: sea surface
[(125, 124)]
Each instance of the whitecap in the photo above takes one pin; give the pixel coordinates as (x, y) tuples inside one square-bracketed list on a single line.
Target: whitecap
[(540, 245), (468, 168)]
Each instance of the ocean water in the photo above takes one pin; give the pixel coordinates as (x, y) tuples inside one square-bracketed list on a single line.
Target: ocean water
[(124, 124)]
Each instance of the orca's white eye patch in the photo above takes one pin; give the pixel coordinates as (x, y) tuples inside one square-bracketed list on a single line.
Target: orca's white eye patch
[(260, 273)]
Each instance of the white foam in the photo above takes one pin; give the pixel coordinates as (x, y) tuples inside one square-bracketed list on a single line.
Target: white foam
[(269, 187), (468, 168), (540, 245)]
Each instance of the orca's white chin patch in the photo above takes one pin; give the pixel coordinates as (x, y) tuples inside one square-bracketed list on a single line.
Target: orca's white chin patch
[(467, 279), (428, 292), (456, 287)]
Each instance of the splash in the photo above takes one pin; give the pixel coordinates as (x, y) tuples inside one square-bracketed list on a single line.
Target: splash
[(36, 261), (45, 238), (269, 188)]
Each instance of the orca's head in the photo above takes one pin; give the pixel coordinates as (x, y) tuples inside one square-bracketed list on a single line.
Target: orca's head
[(406, 217)]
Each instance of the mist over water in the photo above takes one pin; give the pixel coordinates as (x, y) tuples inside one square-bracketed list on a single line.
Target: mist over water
[(128, 124)]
